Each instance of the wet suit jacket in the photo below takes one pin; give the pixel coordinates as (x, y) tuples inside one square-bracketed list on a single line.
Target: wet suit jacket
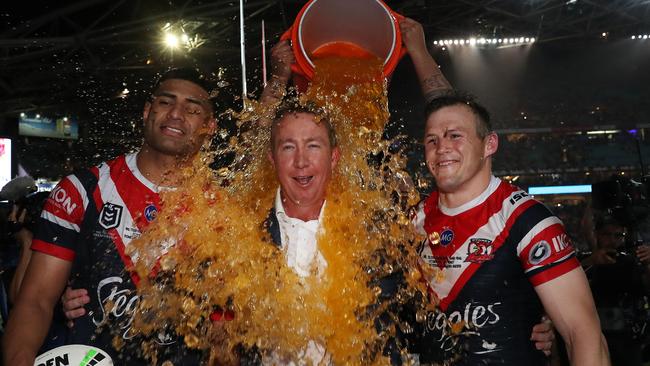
[(389, 285)]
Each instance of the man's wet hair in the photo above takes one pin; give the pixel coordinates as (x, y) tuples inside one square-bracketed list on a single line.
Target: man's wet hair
[(192, 75), (294, 106), (455, 97)]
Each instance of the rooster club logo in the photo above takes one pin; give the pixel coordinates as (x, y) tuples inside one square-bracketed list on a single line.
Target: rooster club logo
[(479, 250), (110, 216), (150, 212), (446, 237)]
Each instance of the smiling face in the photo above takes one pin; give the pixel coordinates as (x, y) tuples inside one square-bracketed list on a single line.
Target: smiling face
[(456, 156), (304, 159), (178, 118)]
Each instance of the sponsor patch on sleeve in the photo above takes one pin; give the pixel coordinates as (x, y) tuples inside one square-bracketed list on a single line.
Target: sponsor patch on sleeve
[(65, 202), (548, 255)]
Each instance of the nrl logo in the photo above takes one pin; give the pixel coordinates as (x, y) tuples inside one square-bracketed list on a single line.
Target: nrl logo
[(110, 216), (479, 250)]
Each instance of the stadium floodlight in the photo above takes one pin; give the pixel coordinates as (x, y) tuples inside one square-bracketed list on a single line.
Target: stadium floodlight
[(474, 41), (171, 41), (181, 35)]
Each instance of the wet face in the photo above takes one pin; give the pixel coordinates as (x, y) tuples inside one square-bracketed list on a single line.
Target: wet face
[(454, 152), (178, 119), (303, 159)]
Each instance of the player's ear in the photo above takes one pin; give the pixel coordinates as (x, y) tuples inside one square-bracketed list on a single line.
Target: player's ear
[(491, 144)]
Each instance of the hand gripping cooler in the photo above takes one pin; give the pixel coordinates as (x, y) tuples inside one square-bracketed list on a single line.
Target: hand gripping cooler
[(348, 28)]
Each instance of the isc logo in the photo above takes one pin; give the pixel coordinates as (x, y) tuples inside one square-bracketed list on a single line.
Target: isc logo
[(517, 197)]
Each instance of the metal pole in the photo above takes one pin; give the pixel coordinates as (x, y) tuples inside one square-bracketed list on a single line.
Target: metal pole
[(263, 55), (242, 46)]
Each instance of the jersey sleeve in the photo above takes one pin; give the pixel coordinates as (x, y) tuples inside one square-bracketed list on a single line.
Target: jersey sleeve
[(58, 227), (545, 251)]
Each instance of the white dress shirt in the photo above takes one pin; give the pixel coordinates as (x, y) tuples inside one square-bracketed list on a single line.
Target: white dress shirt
[(298, 241), (300, 246)]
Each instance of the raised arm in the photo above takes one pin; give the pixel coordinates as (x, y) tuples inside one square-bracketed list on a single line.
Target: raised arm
[(568, 301), (432, 81), (44, 280), (281, 60)]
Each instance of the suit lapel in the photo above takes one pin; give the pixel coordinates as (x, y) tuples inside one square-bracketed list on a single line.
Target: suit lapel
[(272, 226)]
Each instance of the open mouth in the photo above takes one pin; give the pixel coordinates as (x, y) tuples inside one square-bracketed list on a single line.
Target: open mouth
[(445, 163), (303, 180), (168, 130)]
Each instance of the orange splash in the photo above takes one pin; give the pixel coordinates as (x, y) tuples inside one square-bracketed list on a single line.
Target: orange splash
[(222, 257)]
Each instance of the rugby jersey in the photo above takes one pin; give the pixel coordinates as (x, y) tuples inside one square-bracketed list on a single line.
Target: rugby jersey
[(484, 259), (90, 218)]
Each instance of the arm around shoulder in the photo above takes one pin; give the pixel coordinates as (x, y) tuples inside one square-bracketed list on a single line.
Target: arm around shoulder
[(30, 319), (568, 301)]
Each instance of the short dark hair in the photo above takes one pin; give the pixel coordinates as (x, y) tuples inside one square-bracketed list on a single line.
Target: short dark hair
[(192, 75), (455, 97), (294, 105)]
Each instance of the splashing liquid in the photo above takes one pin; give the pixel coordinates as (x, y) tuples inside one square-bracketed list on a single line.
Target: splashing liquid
[(210, 251)]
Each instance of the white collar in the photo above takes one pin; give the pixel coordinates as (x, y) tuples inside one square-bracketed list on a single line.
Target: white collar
[(132, 163), (279, 208), (299, 241), (492, 186)]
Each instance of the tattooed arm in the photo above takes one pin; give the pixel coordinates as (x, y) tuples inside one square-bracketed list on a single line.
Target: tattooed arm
[(432, 81)]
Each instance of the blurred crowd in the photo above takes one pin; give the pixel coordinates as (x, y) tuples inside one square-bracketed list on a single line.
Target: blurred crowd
[(543, 152)]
